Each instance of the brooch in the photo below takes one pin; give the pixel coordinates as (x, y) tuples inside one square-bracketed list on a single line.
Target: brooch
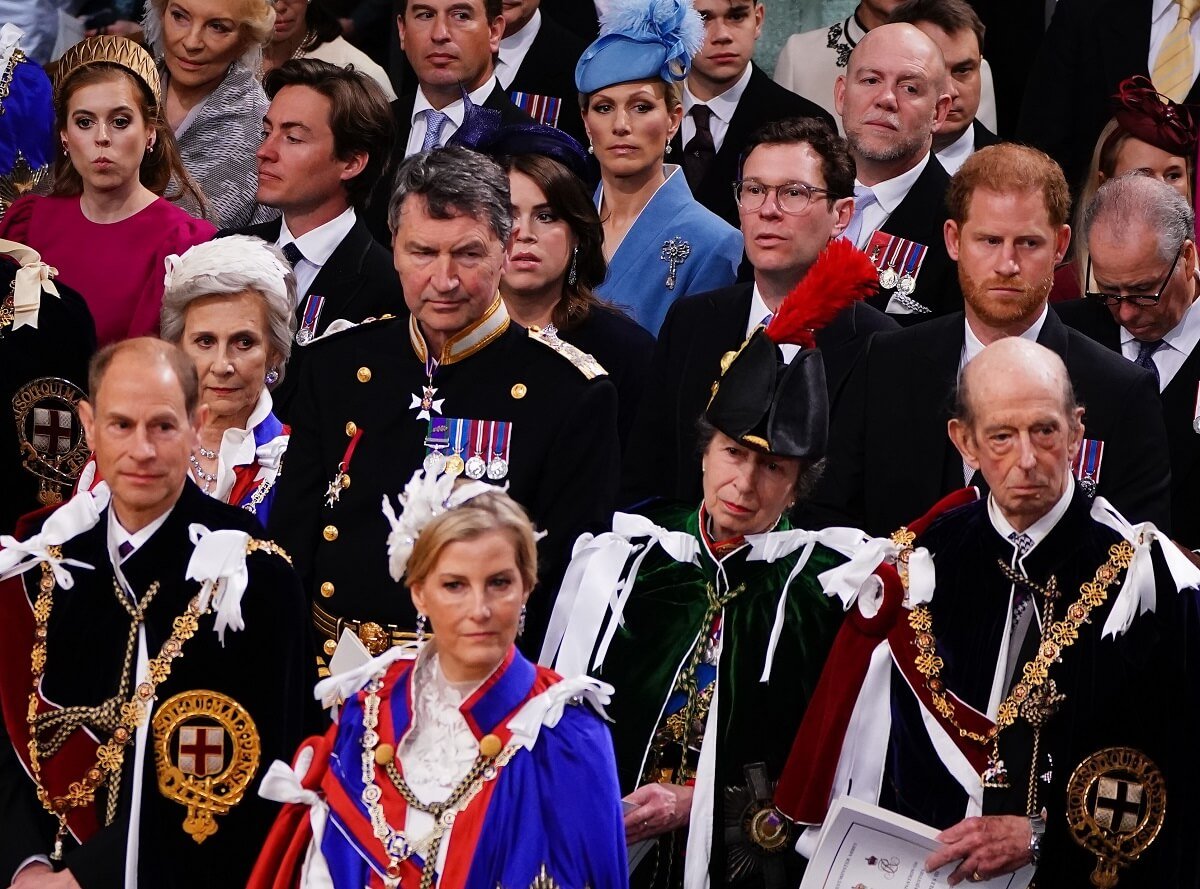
[(674, 253)]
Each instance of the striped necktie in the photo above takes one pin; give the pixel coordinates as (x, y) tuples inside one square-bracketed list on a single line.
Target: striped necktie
[(1172, 74)]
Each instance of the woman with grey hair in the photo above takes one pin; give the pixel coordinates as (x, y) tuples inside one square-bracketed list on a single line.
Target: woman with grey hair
[(228, 305)]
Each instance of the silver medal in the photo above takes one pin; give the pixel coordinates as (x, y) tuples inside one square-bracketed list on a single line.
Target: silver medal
[(476, 467), (497, 469), (434, 462), (907, 283), (887, 278)]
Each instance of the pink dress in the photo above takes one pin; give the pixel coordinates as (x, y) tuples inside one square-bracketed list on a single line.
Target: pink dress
[(117, 267)]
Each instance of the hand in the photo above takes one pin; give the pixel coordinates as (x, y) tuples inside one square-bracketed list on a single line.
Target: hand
[(660, 809), (42, 876), (984, 847)]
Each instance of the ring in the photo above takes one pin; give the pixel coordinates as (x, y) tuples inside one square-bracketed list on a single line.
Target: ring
[(976, 878)]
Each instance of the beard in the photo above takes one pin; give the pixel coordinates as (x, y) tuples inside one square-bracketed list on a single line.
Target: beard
[(894, 149), (1002, 313)]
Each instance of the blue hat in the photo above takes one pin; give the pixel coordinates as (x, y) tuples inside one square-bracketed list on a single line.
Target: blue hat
[(640, 39)]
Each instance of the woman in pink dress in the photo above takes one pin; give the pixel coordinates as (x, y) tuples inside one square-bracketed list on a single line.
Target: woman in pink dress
[(106, 227)]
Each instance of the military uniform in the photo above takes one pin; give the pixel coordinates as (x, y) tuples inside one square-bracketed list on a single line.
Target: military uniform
[(185, 805), (358, 406), (43, 374)]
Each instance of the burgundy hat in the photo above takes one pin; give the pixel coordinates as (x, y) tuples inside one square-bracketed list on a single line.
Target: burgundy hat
[(1147, 114)]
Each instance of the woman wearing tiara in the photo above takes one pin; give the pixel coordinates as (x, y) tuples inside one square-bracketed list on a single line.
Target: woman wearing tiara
[(454, 762), (107, 227), (659, 241)]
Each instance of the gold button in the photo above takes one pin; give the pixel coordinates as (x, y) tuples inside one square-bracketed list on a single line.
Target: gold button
[(345, 481), (327, 589), (330, 647), (330, 533), (519, 390), (386, 316), (384, 754), (364, 374), (489, 745), (351, 428)]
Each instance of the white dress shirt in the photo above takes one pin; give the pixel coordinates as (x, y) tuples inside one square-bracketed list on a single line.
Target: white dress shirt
[(956, 153), (456, 111), (1177, 345), (316, 246), (514, 49), (888, 195), (1163, 16), (759, 313), (722, 107)]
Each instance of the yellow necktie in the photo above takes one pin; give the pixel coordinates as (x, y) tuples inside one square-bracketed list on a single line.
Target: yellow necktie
[(1172, 74)]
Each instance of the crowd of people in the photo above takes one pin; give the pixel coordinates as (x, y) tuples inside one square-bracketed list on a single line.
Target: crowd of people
[(562, 455)]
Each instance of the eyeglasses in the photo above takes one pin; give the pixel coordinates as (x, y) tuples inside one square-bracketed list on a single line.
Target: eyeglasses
[(791, 197), (1112, 299)]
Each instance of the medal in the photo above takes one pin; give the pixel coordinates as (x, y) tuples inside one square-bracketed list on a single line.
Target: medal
[(341, 480), (908, 281), (437, 439), (308, 319), (334, 492), (434, 462), (888, 276), (476, 466), (454, 463), (498, 465), (425, 404)]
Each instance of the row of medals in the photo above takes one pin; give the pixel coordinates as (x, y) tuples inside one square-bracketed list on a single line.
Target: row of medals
[(889, 278), (474, 467)]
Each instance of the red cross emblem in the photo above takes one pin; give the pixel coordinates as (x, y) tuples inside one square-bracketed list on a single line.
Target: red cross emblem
[(201, 750), (52, 431)]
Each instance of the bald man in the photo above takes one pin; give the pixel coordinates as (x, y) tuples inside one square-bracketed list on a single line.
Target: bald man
[(894, 96), (1026, 622), (162, 627)]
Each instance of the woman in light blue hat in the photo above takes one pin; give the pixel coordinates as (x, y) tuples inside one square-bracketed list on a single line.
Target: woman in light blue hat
[(660, 243)]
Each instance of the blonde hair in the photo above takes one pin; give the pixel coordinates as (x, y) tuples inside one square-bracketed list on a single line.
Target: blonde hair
[(478, 516), (255, 18)]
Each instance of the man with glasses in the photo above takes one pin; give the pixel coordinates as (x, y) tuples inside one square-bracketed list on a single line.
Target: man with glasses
[(889, 457), (1141, 302), (793, 198)]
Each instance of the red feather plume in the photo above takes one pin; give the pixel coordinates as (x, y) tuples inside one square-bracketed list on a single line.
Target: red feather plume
[(841, 275)]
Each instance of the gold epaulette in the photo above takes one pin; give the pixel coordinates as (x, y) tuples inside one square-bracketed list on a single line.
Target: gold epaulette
[(584, 363), (267, 546)]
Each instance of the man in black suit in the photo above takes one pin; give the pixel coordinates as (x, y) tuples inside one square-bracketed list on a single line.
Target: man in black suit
[(1089, 48), (786, 226), (955, 27), (452, 46), (537, 66), (889, 457), (725, 99), (892, 100), (326, 137), (1141, 239)]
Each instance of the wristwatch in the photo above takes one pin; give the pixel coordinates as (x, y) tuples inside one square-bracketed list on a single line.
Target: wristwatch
[(1037, 830)]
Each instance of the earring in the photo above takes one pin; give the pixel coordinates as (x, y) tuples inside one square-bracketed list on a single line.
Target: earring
[(421, 619), (66, 152), (149, 147), (591, 148), (521, 622), (573, 273), (272, 377), (668, 150)]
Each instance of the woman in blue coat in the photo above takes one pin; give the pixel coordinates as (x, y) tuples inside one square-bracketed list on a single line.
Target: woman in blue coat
[(660, 243)]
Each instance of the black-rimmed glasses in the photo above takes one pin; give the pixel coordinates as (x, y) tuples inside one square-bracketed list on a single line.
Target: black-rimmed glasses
[(1112, 299), (791, 197)]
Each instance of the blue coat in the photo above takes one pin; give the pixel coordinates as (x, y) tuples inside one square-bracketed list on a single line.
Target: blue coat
[(638, 273)]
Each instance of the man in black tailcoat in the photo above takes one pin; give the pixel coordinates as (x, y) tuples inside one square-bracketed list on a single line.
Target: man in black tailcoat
[(456, 384)]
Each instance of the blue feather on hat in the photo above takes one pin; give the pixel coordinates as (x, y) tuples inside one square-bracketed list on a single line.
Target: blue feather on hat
[(641, 39)]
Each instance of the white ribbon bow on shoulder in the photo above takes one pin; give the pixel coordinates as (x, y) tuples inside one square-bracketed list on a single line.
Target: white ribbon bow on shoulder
[(219, 563), (79, 514), (32, 278)]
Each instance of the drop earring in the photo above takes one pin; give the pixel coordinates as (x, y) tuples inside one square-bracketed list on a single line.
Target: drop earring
[(573, 273), (668, 149), (66, 152), (521, 622), (421, 619), (591, 148), (272, 377)]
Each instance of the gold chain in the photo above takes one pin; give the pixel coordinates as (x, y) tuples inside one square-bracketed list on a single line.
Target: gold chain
[(111, 754), (1060, 636)]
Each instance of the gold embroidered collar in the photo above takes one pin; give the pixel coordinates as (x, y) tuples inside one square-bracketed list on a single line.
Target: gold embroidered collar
[(467, 341)]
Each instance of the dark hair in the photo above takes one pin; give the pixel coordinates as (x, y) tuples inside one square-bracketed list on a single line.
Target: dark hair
[(150, 348), (323, 23), (491, 8), (570, 201), (837, 166), (159, 165), (1008, 168), (952, 16), (359, 115), (454, 181)]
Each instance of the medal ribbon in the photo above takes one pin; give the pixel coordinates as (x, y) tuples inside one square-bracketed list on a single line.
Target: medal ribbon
[(501, 449), (914, 262), (312, 311)]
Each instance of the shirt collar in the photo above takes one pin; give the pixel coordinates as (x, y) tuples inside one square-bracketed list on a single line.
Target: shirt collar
[(891, 192), (1160, 8), (118, 535), (1185, 335), (972, 345), (724, 105), (1038, 530), (518, 44), (758, 311), (238, 445), (456, 111), (467, 341), (318, 245), (956, 153)]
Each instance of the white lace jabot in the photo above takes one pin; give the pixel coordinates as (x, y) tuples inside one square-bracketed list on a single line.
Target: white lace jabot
[(440, 750)]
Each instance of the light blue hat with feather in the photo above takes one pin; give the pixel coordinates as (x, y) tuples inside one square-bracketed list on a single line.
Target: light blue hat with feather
[(640, 39)]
